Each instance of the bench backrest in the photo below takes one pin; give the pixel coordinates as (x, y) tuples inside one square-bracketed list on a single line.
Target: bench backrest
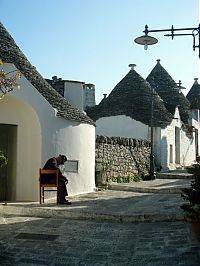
[(45, 174)]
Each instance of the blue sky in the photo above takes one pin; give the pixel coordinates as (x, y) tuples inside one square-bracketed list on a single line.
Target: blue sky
[(93, 40)]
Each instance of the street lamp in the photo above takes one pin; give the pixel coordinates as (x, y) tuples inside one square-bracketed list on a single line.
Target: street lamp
[(149, 40), (178, 87)]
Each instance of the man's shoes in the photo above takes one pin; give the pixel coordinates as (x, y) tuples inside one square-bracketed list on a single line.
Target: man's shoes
[(64, 201)]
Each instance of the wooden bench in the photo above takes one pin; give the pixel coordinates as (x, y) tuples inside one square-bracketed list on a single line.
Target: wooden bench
[(43, 182)]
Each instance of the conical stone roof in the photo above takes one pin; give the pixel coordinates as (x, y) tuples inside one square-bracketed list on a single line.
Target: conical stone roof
[(194, 95), (132, 97), (165, 86), (10, 53)]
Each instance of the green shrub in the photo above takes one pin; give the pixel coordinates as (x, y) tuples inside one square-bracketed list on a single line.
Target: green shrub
[(3, 159), (192, 194), (127, 179)]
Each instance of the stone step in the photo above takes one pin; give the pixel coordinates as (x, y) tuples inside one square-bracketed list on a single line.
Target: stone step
[(114, 211), (163, 189), (176, 174)]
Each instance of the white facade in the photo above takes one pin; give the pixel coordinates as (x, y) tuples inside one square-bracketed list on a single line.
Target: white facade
[(173, 147), (73, 91), (121, 126), (79, 94), (40, 135), (177, 148)]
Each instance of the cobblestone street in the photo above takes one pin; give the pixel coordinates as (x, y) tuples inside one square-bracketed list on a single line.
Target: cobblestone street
[(59, 241)]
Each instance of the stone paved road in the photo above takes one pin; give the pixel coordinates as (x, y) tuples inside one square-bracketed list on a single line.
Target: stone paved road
[(58, 241)]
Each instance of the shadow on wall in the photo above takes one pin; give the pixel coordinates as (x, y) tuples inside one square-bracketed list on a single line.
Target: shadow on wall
[(164, 154)]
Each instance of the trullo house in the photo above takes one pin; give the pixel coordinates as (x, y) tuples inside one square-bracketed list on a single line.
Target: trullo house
[(136, 105), (37, 123)]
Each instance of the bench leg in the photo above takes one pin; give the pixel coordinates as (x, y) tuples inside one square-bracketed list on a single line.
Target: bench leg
[(43, 194), (57, 196), (40, 195)]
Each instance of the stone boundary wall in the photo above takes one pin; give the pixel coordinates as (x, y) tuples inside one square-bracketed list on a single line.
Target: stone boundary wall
[(121, 159)]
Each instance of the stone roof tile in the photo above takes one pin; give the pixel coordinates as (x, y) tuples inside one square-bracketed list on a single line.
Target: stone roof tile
[(11, 53), (132, 97), (165, 86), (194, 95)]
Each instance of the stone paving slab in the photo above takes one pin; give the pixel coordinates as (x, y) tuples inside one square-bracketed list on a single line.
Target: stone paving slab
[(175, 174), (153, 186), (90, 243), (110, 205), (153, 202)]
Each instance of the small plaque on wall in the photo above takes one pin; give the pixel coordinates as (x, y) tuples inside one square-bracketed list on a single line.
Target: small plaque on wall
[(71, 166)]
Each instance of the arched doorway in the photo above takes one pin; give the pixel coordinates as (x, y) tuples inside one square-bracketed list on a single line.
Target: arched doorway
[(20, 139), (177, 145)]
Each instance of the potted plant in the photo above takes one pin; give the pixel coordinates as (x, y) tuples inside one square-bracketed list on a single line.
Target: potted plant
[(192, 197), (3, 159)]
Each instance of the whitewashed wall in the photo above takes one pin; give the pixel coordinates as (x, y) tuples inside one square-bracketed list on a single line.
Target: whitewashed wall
[(157, 150), (188, 154), (13, 111), (44, 135), (187, 147), (195, 121), (73, 92), (121, 126)]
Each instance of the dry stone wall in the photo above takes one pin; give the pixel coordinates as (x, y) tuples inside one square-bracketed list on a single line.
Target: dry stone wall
[(121, 159)]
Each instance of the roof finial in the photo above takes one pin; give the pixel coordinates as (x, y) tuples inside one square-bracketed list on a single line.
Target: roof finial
[(158, 61), (196, 80), (132, 66)]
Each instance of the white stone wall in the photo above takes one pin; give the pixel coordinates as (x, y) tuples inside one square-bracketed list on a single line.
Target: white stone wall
[(157, 151), (165, 149), (73, 92), (121, 126), (188, 154), (42, 135), (187, 146), (195, 121), (27, 160)]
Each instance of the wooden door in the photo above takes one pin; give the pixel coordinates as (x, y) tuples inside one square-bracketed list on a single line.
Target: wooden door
[(8, 135)]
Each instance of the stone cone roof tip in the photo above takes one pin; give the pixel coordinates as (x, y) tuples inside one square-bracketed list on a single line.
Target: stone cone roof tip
[(194, 95), (165, 86), (11, 53), (132, 97)]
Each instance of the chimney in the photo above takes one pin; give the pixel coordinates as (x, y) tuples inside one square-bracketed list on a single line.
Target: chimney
[(90, 85), (132, 66), (54, 78), (104, 95)]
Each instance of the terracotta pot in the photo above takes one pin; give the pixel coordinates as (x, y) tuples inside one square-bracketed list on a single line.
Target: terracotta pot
[(196, 229)]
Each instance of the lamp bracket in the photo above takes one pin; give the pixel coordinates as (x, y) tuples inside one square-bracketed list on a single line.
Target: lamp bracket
[(194, 33)]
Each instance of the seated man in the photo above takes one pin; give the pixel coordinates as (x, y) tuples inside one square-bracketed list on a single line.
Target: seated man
[(53, 164)]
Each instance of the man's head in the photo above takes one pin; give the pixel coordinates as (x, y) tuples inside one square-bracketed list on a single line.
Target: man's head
[(61, 159)]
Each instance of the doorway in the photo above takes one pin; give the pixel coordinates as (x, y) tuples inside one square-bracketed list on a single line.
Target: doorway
[(196, 142), (177, 145), (8, 144)]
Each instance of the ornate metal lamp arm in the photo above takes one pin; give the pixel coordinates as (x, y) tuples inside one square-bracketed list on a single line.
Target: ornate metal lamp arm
[(148, 40)]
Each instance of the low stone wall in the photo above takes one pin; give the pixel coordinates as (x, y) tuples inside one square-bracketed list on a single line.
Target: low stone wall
[(121, 159)]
